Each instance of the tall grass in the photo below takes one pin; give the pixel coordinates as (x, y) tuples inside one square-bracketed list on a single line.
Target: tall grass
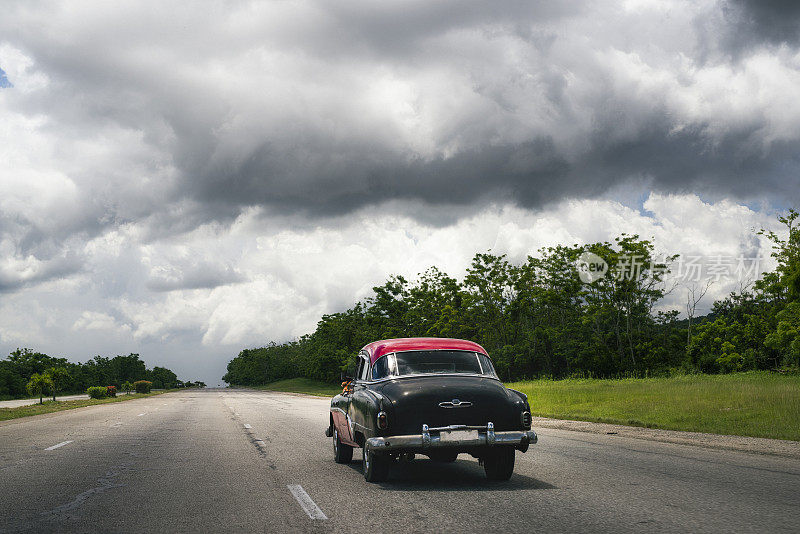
[(758, 404)]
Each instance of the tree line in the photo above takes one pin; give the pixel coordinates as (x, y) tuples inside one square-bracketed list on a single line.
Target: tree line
[(52, 375), (538, 318)]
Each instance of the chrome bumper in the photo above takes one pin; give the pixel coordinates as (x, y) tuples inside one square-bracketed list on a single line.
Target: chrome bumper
[(455, 436)]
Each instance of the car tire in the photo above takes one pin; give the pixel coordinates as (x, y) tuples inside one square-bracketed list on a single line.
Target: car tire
[(499, 463), (376, 466), (343, 454), (444, 457)]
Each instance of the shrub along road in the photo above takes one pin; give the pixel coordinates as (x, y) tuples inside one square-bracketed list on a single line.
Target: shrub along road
[(236, 460)]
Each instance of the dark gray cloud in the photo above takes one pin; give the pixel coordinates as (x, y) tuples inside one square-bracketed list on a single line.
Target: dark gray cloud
[(49, 269), (194, 275), (168, 117), (531, 174), (770, 21)]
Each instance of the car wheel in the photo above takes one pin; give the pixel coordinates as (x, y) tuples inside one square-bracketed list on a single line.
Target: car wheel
[(499, 463), (376, 466), (343, 454), (444, 457)]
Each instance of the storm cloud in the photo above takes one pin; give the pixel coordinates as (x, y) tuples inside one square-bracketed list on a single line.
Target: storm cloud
[(131, 130), (325, 108)]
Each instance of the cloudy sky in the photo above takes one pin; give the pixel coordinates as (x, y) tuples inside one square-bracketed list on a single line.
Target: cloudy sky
[(184, 180)]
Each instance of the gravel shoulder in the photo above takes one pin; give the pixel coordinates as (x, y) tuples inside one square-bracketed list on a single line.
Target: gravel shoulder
[(776, 447)]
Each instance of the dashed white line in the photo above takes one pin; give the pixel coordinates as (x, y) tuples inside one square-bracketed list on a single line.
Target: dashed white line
[(247, 426), (306, 503), (58, 445), (141, 414)]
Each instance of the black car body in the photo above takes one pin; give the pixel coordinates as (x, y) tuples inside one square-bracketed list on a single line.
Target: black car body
[(430, 396)]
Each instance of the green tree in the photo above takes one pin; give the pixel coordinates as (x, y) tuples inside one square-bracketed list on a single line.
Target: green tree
[(59, 378), (127, 387), (784, 282), (39, 385), (163, 378), (785, 339)]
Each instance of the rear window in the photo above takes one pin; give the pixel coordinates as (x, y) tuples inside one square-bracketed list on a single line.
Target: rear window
[(432, 362)]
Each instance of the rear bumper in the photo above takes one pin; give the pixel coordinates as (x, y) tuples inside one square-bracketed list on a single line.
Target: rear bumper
[(454, 437)]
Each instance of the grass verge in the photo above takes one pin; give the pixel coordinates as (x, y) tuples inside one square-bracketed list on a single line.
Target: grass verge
[(58, 406), (303, 385), (758, 404)]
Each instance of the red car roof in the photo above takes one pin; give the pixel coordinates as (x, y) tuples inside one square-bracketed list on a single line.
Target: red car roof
[(376, 349)]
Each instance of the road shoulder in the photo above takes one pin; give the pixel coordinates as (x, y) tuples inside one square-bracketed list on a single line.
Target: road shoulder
[(774, 447)]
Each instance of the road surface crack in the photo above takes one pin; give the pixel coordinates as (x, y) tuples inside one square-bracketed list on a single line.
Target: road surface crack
[(106, 482)]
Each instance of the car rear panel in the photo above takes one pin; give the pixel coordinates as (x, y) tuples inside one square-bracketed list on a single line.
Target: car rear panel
[(416, 401)]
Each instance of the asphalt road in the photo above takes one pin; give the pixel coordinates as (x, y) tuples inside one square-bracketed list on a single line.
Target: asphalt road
[(235, 460)]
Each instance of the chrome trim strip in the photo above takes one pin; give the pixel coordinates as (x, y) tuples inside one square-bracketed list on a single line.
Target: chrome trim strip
[(455, 403), (520, 439)]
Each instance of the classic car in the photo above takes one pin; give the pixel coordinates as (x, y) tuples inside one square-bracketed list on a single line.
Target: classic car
[(430, 396)]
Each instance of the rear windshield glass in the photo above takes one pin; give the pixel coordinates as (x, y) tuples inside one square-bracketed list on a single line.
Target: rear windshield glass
[(432, 362)]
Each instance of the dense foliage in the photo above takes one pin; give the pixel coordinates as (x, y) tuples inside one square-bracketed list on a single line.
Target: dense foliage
[(142, 386), (97, 392), (539, 319), (57, 375)]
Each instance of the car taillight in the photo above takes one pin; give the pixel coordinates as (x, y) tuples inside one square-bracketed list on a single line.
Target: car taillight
[(382, 420), (526, 419)]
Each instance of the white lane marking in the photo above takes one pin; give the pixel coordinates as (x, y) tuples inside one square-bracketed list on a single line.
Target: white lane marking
[(141, 414), (247, 426), (306, 503), (58, 445)]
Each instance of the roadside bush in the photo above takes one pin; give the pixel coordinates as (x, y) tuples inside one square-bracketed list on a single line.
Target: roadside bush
[(142, 386), (96, 392), (111, 391)]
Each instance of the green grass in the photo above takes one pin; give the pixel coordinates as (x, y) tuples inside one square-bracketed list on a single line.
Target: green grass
[(303, 385), (758, 404), (58, 406)]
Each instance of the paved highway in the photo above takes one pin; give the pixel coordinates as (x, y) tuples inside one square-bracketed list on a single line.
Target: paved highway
[(237, 460)]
